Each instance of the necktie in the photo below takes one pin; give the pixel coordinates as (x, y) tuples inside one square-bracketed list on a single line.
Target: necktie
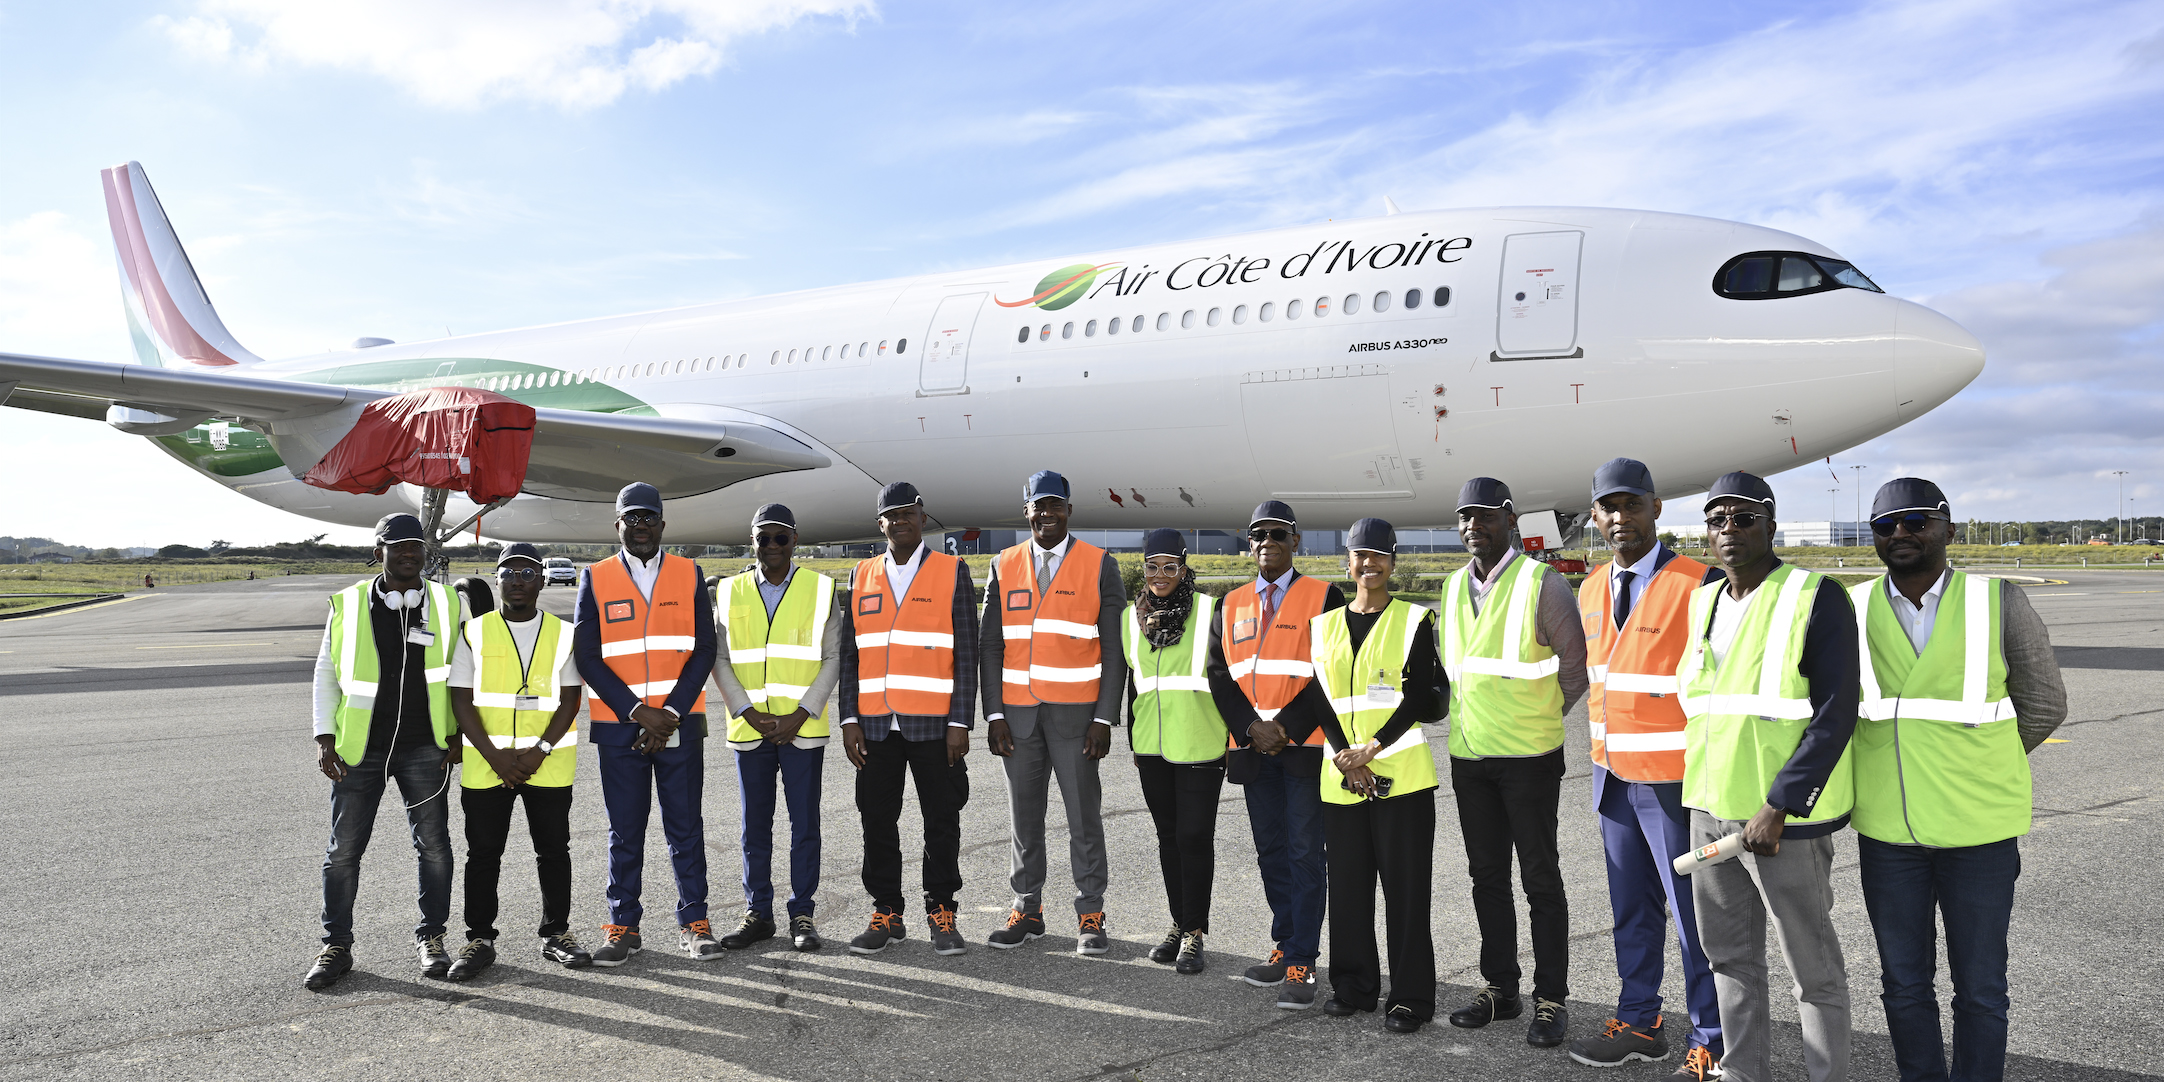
[(1269, 602), (1623, 602), (1045, 562)]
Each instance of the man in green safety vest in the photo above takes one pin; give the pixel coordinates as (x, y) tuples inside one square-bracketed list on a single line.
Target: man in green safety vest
[(780, 638), (383, 711), (1959, 686), (1769, 703), (1514, 650), (515, 691)]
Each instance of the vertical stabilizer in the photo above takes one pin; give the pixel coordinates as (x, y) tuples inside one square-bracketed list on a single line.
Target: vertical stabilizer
[(169, 315)]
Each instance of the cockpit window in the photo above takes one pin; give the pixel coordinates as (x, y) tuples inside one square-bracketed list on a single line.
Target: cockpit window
[(1757, 276)]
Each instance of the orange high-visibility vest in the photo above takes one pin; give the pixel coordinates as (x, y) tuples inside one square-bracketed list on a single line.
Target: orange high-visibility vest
[(645, 644), (1634, 704), (1052, 653), (1269, 659), (905, 649)]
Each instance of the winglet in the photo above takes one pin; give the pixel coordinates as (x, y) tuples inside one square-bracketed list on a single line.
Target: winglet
[(1390, 206), (170, 317)]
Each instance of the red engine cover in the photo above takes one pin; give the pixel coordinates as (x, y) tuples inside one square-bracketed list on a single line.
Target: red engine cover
[(461, 438)]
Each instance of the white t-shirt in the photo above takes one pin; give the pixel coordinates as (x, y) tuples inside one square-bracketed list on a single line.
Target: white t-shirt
[(524, 634), (1727, 620)]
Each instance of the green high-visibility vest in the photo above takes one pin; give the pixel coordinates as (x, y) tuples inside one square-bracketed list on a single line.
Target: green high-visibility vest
[(353, 660), (1173, 715), (1506, 701), (1744, 718), (516, 696), (1939, 760), (1365, 690), (776, 660)]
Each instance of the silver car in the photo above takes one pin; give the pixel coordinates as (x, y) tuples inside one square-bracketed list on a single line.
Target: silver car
[(561, 571)]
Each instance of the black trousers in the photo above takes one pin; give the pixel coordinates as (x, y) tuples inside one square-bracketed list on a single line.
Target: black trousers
[(488, 830), (1183, 803), (1393, 841), (1505, 804), (942, 790)]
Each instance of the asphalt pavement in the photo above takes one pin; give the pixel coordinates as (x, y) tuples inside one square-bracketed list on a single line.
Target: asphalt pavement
[(168, 826)]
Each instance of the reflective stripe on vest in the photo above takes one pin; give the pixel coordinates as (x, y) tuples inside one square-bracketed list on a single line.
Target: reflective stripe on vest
[(1173, 714), (905, 651), (1269, 659), (645, 644), (1382, 659), (500, 676), (1506, 699), (355, 664), (1633, 704), (1745, 718), (1938, 752), (776, 660), (1052, 654)]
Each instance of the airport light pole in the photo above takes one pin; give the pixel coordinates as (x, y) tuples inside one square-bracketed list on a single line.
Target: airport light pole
[(1859, 497), (2120, 531)]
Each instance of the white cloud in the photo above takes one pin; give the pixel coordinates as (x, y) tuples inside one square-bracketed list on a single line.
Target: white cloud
[(574, 54)]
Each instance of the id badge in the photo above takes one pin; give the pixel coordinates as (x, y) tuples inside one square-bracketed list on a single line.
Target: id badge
[(526, 702), (1383, 695), (421, 636)]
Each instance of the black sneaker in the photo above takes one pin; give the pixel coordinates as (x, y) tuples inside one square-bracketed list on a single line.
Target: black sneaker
[(564, 950), (1551, 1023), (1297, 991), (803, 934), (756, 927), (1191, 954), (475, 956), (886, 927), (1269, 974), (1620, 1042), (435, 961), (1021, 928), (1488, 1005), (618, 943), (331, 963), (1699, 1066), (1090, 937), (1167, 951), (946, 938)]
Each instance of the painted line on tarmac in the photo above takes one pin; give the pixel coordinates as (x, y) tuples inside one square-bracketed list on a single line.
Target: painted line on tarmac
[(88, 608), (2054, 740), (1015, 991), (206, 646)]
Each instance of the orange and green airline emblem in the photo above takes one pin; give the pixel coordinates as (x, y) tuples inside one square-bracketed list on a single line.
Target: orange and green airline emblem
[(1060, 288)]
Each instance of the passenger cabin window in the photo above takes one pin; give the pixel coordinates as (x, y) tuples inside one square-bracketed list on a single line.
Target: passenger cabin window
[(1217, 315), (1137, 328), (1382, 302), (1089, 330), (1352, 304), (1112, 326), (1164, 320), (1267, 312), (1322, 307), (1066, 330), (1024, 336), (1758, 276), (1239, 314), (1187, 320), (1442, 296), (1412, 298), (901, 346)]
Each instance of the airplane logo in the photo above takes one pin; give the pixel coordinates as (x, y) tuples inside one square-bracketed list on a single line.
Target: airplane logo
[(1060, 288)]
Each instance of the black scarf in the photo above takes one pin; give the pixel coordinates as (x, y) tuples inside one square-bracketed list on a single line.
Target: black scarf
[(1164, 619)]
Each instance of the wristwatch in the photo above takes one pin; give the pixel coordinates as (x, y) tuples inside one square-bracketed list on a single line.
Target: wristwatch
[(545, 747)]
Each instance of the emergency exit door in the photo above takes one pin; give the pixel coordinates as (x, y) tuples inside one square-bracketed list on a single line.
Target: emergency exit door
[(1537, 306), (943, 364)]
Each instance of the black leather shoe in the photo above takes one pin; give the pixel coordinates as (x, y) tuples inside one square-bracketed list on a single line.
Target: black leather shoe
[(1338, 1008), (756, 927), (332, 963), (1488, 1005), (477, 955), (1401, 1019), (1190, 960), (803, 934), (1551, 1023), (1168, 951)]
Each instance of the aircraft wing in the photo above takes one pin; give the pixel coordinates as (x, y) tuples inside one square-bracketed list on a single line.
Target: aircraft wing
[(576, 455)]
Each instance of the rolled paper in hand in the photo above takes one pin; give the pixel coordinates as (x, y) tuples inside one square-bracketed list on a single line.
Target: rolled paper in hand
[(1706, 856)]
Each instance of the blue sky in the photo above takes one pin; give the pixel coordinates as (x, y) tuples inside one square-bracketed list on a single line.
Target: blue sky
[(403, 168)]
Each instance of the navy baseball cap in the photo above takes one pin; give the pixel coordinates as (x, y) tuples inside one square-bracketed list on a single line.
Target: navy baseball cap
[(1741, 486), (1273, 511), (1484, 492), (1622, 475), (898, 495), (1164, 541), (773, 514), (399, 526), (518, 550), (638, 496), (1042, 484), (1372, 535), (1909, 494)]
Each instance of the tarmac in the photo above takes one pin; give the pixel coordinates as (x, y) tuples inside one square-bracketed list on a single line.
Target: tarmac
[(169, 823)]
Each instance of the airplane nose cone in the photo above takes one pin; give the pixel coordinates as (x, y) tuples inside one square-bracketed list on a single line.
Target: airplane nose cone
[(1934, 358)]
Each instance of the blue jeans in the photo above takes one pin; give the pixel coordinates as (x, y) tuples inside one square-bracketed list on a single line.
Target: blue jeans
[(423, 783), (631, 784), (1972, 889), (1643, 828), (799, 771), (1285, 810)]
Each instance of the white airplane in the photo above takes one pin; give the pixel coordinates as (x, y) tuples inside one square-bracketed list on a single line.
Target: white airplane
[(1355, 368)]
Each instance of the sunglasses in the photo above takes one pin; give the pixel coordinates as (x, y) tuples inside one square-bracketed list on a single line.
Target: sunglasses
[(1914, 520), (1744, 520), (639, 518), (518, 574), (776, 540), (1274, 534), (1163, 570)]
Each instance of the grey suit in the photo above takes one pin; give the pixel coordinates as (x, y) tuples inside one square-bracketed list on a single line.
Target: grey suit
[(1048, 744)]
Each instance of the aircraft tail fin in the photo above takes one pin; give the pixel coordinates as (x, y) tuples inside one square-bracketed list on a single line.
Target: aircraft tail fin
[(170, 317)]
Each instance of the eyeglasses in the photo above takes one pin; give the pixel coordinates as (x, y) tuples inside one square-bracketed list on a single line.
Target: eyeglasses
[(518, 574), (777, 540), (640, 518), (1744, 520), (1914, 520), (1163, 570), (1278, 533)]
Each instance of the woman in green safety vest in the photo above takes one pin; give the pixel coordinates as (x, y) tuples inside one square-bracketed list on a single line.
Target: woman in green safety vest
[(1376, 659), (1177, 736)]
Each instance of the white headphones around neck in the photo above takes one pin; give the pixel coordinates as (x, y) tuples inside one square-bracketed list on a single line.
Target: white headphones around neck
[(395, 600)]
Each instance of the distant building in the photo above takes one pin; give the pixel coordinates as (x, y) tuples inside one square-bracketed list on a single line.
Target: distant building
[(51, 558), (1790, 534)]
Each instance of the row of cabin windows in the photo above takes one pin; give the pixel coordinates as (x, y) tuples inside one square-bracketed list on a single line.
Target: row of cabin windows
[(531, 380), (1294, 309)]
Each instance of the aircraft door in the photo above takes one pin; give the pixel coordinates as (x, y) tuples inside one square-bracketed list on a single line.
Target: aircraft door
[(943, 364), (1537, 307)]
